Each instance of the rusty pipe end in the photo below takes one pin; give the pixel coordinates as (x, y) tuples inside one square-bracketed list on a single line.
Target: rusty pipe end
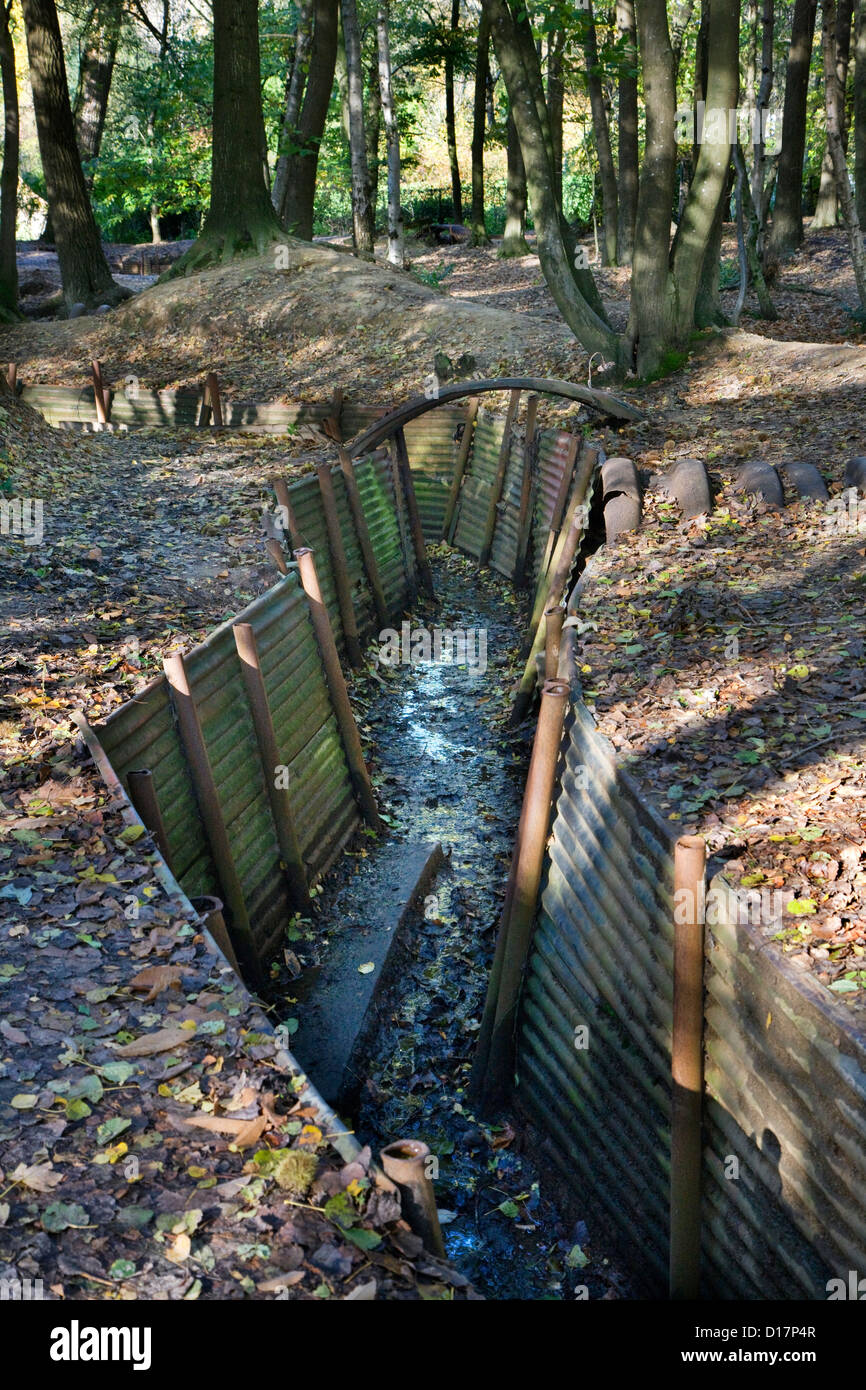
[(559, 689)]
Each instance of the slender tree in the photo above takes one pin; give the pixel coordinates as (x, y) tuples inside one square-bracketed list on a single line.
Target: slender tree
[(298, 184), (482, 76), (362, 213), (9, 175), (629, 158), (514, 241), (295, 83), (601, 131), (761, 106), (556, 102), (827, 206), (373, 127), (837, 153), (83, 267), (450, 113), (786, 233), (860, 112), (396, 250), (95, 73)]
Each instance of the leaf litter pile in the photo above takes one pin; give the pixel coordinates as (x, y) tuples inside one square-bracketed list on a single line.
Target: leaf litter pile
[(726, 662)]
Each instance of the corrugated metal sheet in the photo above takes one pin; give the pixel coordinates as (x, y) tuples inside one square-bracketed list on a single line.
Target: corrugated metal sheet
[(785, 1072), (786, 1081), (503, 553), (432, 449), (378, 498), (602, 958), (552, 449), (474, 502), (142, 734)]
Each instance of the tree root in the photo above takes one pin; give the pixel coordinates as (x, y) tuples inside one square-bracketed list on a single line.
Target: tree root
[(221, 248)]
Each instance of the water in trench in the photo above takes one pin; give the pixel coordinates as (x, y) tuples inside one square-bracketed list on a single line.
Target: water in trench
[(447, 770)]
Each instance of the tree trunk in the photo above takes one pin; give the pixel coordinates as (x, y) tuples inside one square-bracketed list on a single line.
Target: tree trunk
[(826, 208), (372, 131), (647, 334), (295, 84), (572, 287), (860, 113), (601, 130), (296, 204), (241, 217), (683, 10), (747, 212), (396, 252), (555, 103), (837, 152), (9, 176), (83, 267), (94, 80), (362, 218), (450, 120), (695, 248), (628, 132), (762, 103), (479, 112), (787, 229), (514, 238)]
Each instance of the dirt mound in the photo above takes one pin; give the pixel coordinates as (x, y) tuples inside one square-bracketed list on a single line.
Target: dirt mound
[(297, 322)]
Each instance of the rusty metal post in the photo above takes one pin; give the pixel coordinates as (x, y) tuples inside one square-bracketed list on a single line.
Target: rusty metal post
[(450, 522), (269, 753), (406, 1163), (553, 585), (494, 1061), (339, 565), (332, 423), (142, 794), (99, 393), (545, 590), (499, 478), (210, 910), (690, 858), (417, 530), (281, 492), (212, 392), (524, 519), (362, 531), (337, 687), (554, 618), (195, 750), (275, 550)]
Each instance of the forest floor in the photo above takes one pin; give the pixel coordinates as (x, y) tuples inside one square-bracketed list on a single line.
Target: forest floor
[(151, 539)]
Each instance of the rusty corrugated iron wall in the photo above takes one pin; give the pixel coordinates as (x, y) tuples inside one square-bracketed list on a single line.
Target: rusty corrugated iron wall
[(784, 1162), (142, 733)]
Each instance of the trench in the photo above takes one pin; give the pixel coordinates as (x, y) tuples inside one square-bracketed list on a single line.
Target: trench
[(447, 769)]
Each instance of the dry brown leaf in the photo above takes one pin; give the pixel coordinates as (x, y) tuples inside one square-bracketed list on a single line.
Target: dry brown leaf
[(38, 1177), (280, 1281), (218, 1124), (253, 1132), (156, 978), (163, 1040)]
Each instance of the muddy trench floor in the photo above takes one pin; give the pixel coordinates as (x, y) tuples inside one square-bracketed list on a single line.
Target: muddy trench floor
[(447, 769)]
